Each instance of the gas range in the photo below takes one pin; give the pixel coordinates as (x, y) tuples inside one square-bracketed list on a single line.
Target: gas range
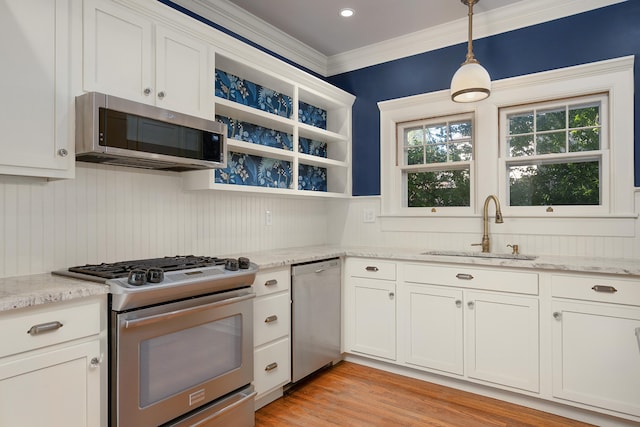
[(141, 283)]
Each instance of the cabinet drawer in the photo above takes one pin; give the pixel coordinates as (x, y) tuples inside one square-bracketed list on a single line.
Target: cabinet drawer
[(595, 288), (371, 269), (272, 366), (271, 318), (77, 320), (272, 281), (473, 278)]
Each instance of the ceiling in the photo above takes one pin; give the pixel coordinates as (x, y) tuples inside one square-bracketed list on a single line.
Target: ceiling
[(319, 25)]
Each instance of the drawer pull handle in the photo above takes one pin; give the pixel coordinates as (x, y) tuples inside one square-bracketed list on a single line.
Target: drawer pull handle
[(271, 319), (44, 327), (372, 268), (464, 276), (605, 289), (271, 366), (271, 282)]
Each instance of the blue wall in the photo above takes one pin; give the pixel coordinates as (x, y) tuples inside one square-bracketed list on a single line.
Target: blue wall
[(605, 33)]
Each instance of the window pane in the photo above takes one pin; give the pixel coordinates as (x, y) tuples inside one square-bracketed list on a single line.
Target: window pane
[(414, 136), (550, 119), (460, 130), (521, 146), (551, 143), (436, 153), (584, 116), (437, 134), (414, 156), (442, 188), (520, 123), (584, 140), (460, 152), (555, 184)]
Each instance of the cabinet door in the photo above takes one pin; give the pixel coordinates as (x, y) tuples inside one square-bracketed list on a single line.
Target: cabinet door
[(34, 82), (59, 388), (373, 317), (432, 320), (184, 76), (596, 355), (117, 52), (502, 339)]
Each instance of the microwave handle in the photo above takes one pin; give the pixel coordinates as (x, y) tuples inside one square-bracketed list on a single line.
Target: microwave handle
[(143, 321)]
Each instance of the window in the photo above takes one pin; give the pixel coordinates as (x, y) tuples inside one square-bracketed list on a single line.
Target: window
[(436, 161), (554, 152)]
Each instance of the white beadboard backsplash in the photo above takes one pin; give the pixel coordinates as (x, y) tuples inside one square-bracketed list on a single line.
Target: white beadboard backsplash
[(112, 214), (356, 232)]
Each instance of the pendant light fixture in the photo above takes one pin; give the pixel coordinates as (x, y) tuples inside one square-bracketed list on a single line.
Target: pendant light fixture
[(471, 82)]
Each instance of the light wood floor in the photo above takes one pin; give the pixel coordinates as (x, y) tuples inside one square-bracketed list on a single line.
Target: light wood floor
[(353, 395)]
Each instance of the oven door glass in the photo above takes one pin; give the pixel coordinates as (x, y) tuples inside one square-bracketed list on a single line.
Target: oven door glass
[(182, 359), (173, 358)]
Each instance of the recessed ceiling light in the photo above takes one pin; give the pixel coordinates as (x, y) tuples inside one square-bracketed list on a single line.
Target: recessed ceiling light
[(346, 12)]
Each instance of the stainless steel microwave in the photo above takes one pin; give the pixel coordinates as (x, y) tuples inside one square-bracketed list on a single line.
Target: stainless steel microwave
[(117, 131)]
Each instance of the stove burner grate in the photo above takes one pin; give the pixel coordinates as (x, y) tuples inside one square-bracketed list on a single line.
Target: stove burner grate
[(122, 269)]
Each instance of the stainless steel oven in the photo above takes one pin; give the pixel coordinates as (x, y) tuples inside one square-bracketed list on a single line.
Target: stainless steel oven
[(180, 342), (173, 358)]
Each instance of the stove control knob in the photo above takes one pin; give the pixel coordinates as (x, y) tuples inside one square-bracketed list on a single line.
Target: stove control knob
[(137, 277), (231, 264), (155, 275), (243, 263)]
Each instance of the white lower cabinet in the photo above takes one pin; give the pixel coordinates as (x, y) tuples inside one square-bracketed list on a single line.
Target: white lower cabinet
[(370, 321), (596, 343), (502, 339), (272, 329), (433, 328), (486, 336), (54, 376)]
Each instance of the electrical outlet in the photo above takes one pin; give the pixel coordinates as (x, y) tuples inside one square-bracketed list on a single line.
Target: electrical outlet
[(268, 218), (368, 215)]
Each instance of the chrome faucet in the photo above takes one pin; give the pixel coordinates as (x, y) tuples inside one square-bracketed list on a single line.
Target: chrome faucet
[(486, 244)]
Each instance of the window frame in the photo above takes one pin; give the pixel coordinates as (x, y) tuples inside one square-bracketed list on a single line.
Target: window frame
[(433, 167), (602, 155)]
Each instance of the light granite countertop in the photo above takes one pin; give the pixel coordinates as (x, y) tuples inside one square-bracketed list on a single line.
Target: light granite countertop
[(26, 291)]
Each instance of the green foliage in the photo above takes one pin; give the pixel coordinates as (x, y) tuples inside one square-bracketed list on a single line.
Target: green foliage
[(435, 189)]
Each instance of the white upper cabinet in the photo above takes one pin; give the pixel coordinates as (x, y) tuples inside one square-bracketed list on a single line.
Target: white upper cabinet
[(37, 106), (128, 54)]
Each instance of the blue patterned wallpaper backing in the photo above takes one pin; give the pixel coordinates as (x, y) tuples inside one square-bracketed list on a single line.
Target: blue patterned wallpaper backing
[(311, 115), (248, 132), (313, 147), (313, 178), (245, 169), (253, 95)]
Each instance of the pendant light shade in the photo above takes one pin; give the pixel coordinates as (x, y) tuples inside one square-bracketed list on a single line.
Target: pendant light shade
[(472, 81)]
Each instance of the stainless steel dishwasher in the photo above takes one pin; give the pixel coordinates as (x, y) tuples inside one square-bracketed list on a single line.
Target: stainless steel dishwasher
[(315, 319)]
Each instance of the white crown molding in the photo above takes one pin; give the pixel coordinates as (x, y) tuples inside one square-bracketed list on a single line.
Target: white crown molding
[(508, 18), (236, 19)]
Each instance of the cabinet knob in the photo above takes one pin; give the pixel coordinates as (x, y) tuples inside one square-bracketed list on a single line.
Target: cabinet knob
[(391, 295), (271, 366), (63, 152), (161, 94), (557, 315), (458, 303), (147, 91), (95, 362), (471, 304)]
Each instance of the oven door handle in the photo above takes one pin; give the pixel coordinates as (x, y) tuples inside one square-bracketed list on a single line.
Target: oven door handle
[(134, 323)]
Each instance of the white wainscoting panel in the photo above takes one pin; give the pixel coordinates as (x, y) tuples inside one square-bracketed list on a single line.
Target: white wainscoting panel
[(112, 213)]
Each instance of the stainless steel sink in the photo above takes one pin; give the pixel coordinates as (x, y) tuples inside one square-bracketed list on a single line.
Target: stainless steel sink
[(480, 255)]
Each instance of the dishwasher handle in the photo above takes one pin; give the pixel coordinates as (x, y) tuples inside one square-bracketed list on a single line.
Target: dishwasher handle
[(316, 267)]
